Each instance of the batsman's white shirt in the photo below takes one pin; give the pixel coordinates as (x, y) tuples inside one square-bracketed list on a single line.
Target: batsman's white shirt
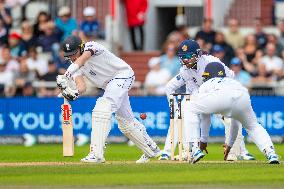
[(115, 76), (103, 66)]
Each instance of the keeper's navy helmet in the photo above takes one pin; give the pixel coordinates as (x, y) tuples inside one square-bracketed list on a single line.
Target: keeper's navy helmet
[(189, 52), (213, 69), (188, 47)]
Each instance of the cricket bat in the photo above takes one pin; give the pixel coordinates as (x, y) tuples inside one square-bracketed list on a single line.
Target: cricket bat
[(172, 132), (67, 129)]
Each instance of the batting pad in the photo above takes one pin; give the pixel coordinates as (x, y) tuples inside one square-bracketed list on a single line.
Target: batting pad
[(135, 134), (101, 125)]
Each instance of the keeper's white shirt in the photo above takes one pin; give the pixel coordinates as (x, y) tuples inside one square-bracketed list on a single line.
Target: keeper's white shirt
[(193, 77), (103, 66)]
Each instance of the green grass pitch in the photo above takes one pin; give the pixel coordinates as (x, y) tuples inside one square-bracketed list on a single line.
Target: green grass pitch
[(20, 168)]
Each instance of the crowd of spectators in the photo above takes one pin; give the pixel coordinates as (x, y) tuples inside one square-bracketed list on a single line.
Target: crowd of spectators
[(256, 58), (30, 56)]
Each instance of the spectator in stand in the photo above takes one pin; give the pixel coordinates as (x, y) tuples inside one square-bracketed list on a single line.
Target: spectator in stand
[(49, 76), (234, 36), (207, 33), (28, 90), (49, 41), (23, 76), (6, 81), (178, 35), (250, 67), (272, 38), (250, 47), (3, 34), (34, 63), (12, 65), (240, 75), (229, 51), (170, 60), (273, 63), (136, 17), (5, 15), (219, 52), (28, 39), (14, 41), (65, 22), (90, 26), (202, 44), (156, 78), (262, 76), (260, 35), (61, 63), (41, 20), (281, 30)]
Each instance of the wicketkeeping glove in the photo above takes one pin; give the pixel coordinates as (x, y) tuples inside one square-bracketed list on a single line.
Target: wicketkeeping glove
[(70, 94)]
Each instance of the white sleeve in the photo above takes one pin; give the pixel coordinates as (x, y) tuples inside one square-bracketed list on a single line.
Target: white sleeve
[(77, 73), (174, 84), (94, 48)]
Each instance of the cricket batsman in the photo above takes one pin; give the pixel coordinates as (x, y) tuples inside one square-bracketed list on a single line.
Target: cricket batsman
[(226, 96), (193, 61), (106, 71)]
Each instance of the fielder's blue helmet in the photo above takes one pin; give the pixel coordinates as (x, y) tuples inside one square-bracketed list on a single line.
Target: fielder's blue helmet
[(213, 69), (188, 47)]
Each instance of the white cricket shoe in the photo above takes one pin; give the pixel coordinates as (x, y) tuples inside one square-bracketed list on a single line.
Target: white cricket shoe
[(164, 156), (91, 158), (247, 156), (232, 157), (196, 155), (145, 159), (272, 158)]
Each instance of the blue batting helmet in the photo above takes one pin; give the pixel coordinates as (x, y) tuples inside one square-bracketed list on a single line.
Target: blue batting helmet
[(213, 69)]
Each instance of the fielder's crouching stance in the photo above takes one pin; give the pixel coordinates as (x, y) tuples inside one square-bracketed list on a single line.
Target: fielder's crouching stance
[(106, 71), (222, 95)]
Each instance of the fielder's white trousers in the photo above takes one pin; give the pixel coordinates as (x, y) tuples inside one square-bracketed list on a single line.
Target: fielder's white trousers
[(233, 103)]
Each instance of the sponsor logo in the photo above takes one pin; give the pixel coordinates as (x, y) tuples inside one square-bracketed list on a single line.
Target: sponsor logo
[(66, 113)]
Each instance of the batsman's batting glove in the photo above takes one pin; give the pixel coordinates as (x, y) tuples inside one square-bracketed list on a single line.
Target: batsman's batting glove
[(70, 94), (203, 146), (227, 149), (62, 82)]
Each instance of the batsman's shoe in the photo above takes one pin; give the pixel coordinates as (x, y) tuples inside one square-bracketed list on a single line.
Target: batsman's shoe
[(164, 157), (272, 158), (143, 159), (196, 156), (91, 158), (247, 156), (232, 157)]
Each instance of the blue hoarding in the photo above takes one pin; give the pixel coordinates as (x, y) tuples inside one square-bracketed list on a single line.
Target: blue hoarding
[(42, 115)]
